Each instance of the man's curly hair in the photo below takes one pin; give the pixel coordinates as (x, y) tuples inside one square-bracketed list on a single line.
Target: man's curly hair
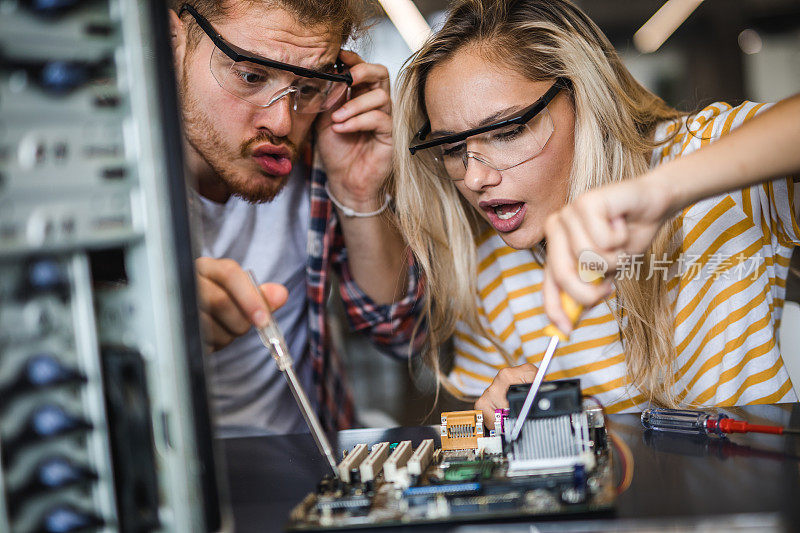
[(345, 18)]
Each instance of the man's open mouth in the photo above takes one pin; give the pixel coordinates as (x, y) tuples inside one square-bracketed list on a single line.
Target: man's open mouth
[(274, 160)]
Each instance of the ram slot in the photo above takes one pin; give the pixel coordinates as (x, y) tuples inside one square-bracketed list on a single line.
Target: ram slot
[(421, 458), (397, 460), (373, 464), (351, 461)]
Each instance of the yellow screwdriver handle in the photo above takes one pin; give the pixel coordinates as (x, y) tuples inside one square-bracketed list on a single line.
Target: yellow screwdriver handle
[(573, 310)]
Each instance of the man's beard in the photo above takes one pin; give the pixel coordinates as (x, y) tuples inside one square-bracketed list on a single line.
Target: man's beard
[(252, 186)]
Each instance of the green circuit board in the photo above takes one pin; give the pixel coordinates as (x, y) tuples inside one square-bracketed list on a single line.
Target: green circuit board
[(563, 466)]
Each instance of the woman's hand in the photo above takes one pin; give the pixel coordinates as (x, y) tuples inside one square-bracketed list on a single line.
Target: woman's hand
[(494, 397), (623, 218), (592, 234)]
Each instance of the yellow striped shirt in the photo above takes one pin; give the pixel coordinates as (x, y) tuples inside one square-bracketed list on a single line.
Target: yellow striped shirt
[(728, 296)]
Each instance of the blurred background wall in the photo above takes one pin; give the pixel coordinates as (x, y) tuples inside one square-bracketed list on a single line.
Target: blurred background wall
[(731, 50)]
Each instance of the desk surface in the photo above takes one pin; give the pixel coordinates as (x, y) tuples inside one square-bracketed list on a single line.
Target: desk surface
[(747, 480)]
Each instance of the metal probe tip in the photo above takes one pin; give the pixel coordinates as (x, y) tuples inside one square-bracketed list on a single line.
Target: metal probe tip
[(537, 382), (272, 338)]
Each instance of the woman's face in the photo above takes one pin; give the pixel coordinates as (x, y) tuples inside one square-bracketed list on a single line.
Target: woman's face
[(461, 94)]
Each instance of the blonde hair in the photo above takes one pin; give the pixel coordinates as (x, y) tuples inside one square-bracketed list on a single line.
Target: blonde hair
[(615, 118)]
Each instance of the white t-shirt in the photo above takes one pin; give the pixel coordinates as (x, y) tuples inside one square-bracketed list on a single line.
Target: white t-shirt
[(247, 390)]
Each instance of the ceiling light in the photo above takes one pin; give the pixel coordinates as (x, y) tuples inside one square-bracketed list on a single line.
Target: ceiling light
[(662, 24), (408, 21), (750, 42)]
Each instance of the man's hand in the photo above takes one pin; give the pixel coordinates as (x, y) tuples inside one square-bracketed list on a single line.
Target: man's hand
[(229, 305), (494, 397), (355, 140)]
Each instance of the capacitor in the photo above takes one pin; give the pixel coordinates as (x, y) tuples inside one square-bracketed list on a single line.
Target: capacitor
[(52, 420), (63, 76), (46, 275), (49, 7), (42, 371), (51, 474), (47, 422), (67, 518), (57, 472)]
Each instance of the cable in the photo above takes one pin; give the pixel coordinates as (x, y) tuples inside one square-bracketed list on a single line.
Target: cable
[(626, 458), (623, 451)]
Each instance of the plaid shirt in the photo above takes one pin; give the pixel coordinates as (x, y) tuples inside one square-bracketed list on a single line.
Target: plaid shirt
[(390, 326)]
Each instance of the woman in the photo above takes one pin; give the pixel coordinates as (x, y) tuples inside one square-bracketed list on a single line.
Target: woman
[(516, 108)]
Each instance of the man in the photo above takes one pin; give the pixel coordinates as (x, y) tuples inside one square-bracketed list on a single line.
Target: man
[(279, 121)]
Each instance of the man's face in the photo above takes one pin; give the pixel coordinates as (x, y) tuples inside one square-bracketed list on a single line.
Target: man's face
[(248, 149)]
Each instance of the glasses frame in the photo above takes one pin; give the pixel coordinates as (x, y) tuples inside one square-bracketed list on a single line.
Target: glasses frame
[(238, 55), (524, 116)]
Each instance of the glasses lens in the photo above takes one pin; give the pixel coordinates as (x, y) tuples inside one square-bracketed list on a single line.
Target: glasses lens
[(327, 98), (432, 162), (500, 149), (515, 146), (245, 80), (263, 86), (451, 157)]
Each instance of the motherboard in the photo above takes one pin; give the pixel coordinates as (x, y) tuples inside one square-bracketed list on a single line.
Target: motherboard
[(560, 464)]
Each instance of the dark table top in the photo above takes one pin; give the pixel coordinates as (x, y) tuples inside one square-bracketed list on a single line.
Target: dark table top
[(746, 481)]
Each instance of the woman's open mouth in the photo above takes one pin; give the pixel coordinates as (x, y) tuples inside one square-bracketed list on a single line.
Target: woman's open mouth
[(504, 215)]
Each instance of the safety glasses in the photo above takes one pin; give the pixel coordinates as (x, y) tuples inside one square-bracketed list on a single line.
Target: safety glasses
[(262, 81), (501, 145)]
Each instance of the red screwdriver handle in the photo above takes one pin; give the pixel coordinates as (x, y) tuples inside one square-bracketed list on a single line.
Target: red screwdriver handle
[(729, 425)]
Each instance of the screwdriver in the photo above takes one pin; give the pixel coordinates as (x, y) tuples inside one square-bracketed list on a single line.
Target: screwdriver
[(702, 423), (573, 311), (272, 338)]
